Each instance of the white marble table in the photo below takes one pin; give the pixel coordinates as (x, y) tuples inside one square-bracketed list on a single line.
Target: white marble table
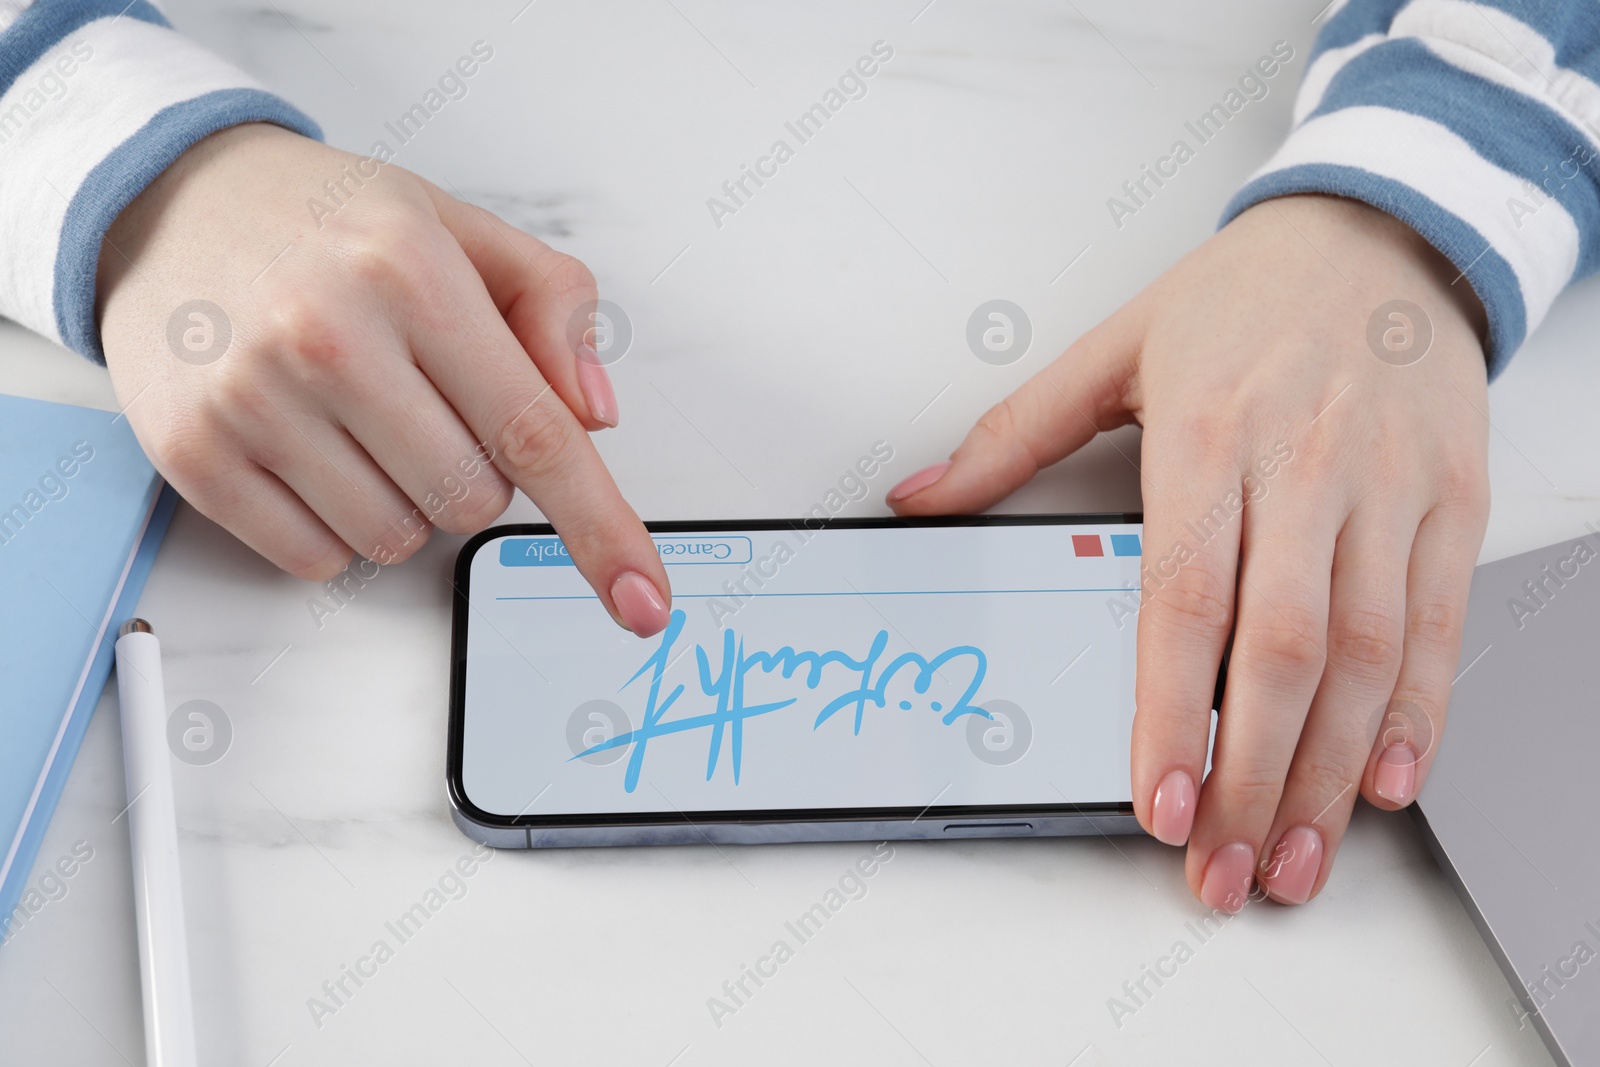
[(827, 313)]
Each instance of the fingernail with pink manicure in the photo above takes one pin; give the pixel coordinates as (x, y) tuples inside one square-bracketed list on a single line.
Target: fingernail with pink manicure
[(1292, 869), (595, 384), (640, 604), (1395, 778), (919, 481), (1226, 884), (1172, 813)]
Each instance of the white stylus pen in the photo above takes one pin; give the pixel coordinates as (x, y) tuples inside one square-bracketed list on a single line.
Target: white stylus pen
[(153, 830)]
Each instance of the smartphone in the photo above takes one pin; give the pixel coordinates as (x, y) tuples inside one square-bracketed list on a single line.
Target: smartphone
[(849, 679)]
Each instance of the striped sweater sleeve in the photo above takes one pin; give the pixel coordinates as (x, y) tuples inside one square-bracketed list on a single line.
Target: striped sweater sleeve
[(1475, 123), (97, 97)]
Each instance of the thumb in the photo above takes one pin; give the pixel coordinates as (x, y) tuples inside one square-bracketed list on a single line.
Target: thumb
[(1052, 415)]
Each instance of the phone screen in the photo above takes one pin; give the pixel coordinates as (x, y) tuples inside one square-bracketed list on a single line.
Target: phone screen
[(869, 664)]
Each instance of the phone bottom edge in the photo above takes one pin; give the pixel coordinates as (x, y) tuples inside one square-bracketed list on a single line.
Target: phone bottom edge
[(764, 832)]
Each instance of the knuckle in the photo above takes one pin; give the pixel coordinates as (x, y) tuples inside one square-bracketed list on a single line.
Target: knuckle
[(1000, 420), (1003, 424), (386, 257), (237, 403), (1327, 445), (1369, 637), (1214, 424), (402, 539), (1219, 428), (1324, 777), (1280, 642), (313, 559), (1414, 716), (313, 340), (1434, 622), (1196, 601), (485, 500), (324, 355), (536, 444), (569, 276), (1464, 488), (288, 320), (244, 411), (368, 261), (327, 357), (1326, 457), (187, 451), (1249, 784)]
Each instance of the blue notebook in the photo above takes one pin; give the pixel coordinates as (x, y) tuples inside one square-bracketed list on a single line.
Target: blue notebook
[(81, 514)]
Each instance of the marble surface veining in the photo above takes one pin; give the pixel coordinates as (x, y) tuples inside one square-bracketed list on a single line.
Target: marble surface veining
[(771, 351)]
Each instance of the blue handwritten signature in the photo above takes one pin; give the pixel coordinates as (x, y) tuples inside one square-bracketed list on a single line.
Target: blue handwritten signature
[(726, 686)]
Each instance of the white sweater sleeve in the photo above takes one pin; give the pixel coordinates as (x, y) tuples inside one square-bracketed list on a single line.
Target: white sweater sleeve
[(1476, 123), (97, 97)]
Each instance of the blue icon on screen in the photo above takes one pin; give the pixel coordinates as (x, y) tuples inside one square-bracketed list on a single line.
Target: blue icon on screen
[(1125, 544)]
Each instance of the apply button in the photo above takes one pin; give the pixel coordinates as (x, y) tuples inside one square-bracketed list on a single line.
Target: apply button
[(550, 552), (534, 552), (735, 549)]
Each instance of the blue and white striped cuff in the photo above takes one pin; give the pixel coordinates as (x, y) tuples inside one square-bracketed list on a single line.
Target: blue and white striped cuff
[(1467, 124), (97, 98)]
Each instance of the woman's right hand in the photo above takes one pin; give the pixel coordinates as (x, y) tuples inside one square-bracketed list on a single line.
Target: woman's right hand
[(397, 361)]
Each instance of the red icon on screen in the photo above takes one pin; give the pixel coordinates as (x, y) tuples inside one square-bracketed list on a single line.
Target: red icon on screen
[(1087, 545)]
